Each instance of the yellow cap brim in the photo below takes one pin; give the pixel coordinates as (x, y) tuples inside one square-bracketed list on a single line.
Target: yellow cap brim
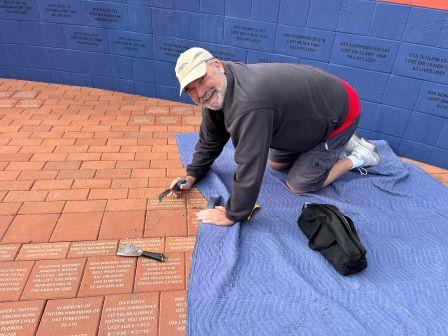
[(195, 73)]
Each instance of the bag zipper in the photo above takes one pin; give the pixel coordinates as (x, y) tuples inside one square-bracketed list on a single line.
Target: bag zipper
[(347, 225)]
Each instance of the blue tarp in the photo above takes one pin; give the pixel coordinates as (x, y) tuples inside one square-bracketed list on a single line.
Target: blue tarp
[(261, 278)]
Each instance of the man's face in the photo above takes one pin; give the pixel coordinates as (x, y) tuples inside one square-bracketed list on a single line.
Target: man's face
[(209, 90)]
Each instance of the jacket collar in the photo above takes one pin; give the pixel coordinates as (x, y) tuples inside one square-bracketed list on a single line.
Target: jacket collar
[(228, 99)]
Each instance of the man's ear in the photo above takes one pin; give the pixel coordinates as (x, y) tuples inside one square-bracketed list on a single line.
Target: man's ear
[(219, 65)]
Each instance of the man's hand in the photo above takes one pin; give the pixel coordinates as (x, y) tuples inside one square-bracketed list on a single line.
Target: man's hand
[(215, 216), (186, 186)]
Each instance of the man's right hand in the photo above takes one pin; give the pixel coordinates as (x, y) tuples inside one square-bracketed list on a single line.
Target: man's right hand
[(186, 186)]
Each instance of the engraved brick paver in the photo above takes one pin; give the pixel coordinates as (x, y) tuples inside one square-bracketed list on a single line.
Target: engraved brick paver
[(9, 251), (20, 318), (168, 203), (43, 251), (192, 222), (152, 275), (195, 200), (108, 275), (180, 244), (54, 279), (80, 172), (130, 314), (13, 276), (71, 317), (92, 248), (173, 312)]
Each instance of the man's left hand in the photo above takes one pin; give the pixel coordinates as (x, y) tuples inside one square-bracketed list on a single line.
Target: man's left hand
[(215, 216)]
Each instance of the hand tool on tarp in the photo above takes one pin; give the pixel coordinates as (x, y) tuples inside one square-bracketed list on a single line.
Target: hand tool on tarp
[(128, 250), (176, 187)]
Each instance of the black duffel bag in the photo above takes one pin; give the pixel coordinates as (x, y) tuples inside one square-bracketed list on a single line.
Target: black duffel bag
[(334, 235)]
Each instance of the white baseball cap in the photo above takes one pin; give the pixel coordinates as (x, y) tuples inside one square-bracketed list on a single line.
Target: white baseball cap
[(191, 66)]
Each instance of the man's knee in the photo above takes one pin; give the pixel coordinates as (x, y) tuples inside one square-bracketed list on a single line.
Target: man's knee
[(278, 165), (294, 190)]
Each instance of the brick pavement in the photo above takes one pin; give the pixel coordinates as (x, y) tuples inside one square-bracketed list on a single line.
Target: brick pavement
[(80, 171)]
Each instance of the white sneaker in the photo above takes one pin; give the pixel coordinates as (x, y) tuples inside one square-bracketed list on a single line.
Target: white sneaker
[(363, 153), (355, 142)]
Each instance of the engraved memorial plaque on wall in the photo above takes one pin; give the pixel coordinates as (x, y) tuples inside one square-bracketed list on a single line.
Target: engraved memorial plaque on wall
[(106, 14), (168, 49), (225, 53), (262, 57), (249, 34), (61, 11), (364, 52), (433, 99), (131, 44), (85, 38), (422, 62), (19, 10), (307, 43)]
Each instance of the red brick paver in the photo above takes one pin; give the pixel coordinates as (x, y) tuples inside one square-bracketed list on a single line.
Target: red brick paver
[(77, 226), (13, 276), (108, 275), (20, 318), (173, 311), (130, 314), (80, 172), (119, 224), (43, 251), (54, 279), (152, 275), (71, 317), (8, 251), (92, 248), (30, 228)]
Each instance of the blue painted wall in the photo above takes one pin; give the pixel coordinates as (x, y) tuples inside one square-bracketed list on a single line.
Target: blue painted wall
[(396, 56)]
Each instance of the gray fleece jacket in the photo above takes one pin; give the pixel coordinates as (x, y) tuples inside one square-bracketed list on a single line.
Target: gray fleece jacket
[(289, 107)]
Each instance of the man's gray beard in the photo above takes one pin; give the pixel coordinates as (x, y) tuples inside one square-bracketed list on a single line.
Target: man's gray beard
[(220, 95)]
